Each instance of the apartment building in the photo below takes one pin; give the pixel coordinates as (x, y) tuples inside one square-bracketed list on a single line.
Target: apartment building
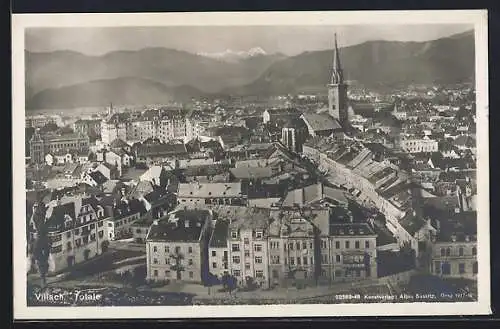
[(210, 194), (75, 229), (454, 249), (247, 245), (176, 246)]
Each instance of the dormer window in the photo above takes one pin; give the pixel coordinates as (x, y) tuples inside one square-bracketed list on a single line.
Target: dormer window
[(234, 234), (258, 235)]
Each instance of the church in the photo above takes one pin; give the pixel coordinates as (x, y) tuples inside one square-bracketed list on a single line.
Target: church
[(336, 120)]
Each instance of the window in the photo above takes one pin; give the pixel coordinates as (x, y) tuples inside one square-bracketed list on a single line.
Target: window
[(290, 246), (292, 261), (337, 258), (155, 261), (167, 261), (236, 259), (177, 250), (155, 272), (247, 266), (257, 247), (258, 235), (155, 249), (167, 249), (304, 245), (474, 268), (214, 265), (275, 259), (247, 253), (167, 274), (298, 261), (356, 244), (474, 251), (235, 247), (234, 234), (323, 244), (443, 251), (461, 268), (190, 250), (448, 251), (298, 245), (460, 251), (258, 260), (110, 224), (92, 226), (76, 231), (68, 234), (446, 268), (304, 261), (259, 274), (236, 272), (101, 234), (191, 275), (347, 245), (246, 241), (190, 261), (367, 244), (324, 259), (214, 253), (337, 244)]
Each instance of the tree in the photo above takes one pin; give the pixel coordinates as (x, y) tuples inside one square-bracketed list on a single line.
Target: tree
[(177, 266), (41, 244), (104, 246), (229, 282), (211, 280)]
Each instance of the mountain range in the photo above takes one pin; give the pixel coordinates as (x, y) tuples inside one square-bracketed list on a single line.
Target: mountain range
[(230, 55), (67, 79)]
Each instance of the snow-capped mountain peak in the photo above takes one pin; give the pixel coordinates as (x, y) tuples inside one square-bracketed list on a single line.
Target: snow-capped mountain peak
[(232, 55)]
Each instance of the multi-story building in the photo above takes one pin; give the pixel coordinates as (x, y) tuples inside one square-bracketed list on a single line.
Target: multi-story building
[(218, 251), (248, 246), (56, 144), (163, 124), (418, 145), (38, 121), (296, 242), (176, 246), (125, 213), (88, 127), (353, 251), (454, 249), (202, 195), (375, 183), (75, 229)]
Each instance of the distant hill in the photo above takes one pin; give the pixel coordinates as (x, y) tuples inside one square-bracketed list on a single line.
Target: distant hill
[(372, 64), (169, 67), (63, 79), (128, 90)]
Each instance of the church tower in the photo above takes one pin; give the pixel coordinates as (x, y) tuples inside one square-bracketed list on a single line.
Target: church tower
[(37, 151), (337, 91)]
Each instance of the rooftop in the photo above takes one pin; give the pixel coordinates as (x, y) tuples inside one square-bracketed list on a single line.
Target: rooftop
[(210, 190), (180, 226), (219, 234), (321, 122)]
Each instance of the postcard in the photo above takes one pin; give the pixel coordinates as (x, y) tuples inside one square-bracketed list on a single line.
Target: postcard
[(257, 164)]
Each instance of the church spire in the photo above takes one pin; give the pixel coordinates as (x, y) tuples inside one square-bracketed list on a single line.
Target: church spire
[(337, 73)]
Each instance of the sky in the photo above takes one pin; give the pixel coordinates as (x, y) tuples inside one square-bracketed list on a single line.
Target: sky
[(289, 40)]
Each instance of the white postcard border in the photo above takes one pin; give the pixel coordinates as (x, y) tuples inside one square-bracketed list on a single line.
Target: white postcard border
[(21, 21)]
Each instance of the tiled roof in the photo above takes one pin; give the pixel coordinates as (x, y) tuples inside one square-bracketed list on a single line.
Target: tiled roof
[(98, 177), (251, 172), (321, 122), (209, 190), (187, 227), (219, 235), (350, 229)]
